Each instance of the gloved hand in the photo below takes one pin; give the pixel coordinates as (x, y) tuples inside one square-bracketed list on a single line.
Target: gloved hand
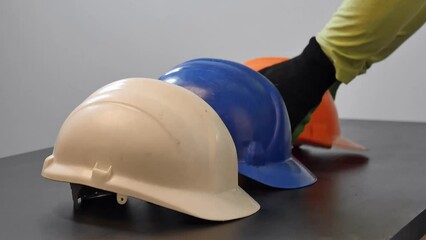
[(301, 126), (302, 81)]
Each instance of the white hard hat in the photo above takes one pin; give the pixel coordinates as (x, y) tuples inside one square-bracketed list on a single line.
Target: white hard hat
[(154, 141)]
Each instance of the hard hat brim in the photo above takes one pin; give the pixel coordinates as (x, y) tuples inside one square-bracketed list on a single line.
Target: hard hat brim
[(345, 143), (288, 174), (223, 206), (339, 142)]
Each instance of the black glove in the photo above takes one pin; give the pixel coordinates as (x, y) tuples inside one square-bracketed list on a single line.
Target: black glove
[(302, 81)]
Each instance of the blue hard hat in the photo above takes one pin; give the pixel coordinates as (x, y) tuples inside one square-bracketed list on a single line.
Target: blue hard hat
[(255, 115)]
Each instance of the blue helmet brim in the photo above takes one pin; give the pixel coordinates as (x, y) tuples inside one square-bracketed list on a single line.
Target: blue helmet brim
[(287, 174)]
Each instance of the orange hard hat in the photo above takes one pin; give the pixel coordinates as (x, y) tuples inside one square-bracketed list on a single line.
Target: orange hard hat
[(324, 129)]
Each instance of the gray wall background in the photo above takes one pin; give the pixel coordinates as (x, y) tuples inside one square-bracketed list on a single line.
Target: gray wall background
[(54, 53)]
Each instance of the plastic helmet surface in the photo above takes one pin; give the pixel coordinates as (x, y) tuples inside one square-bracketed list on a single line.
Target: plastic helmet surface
[(324, 128), (255, 115), (154, 141)]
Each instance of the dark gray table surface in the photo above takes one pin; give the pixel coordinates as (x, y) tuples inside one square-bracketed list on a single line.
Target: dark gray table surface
[(377, 194)]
